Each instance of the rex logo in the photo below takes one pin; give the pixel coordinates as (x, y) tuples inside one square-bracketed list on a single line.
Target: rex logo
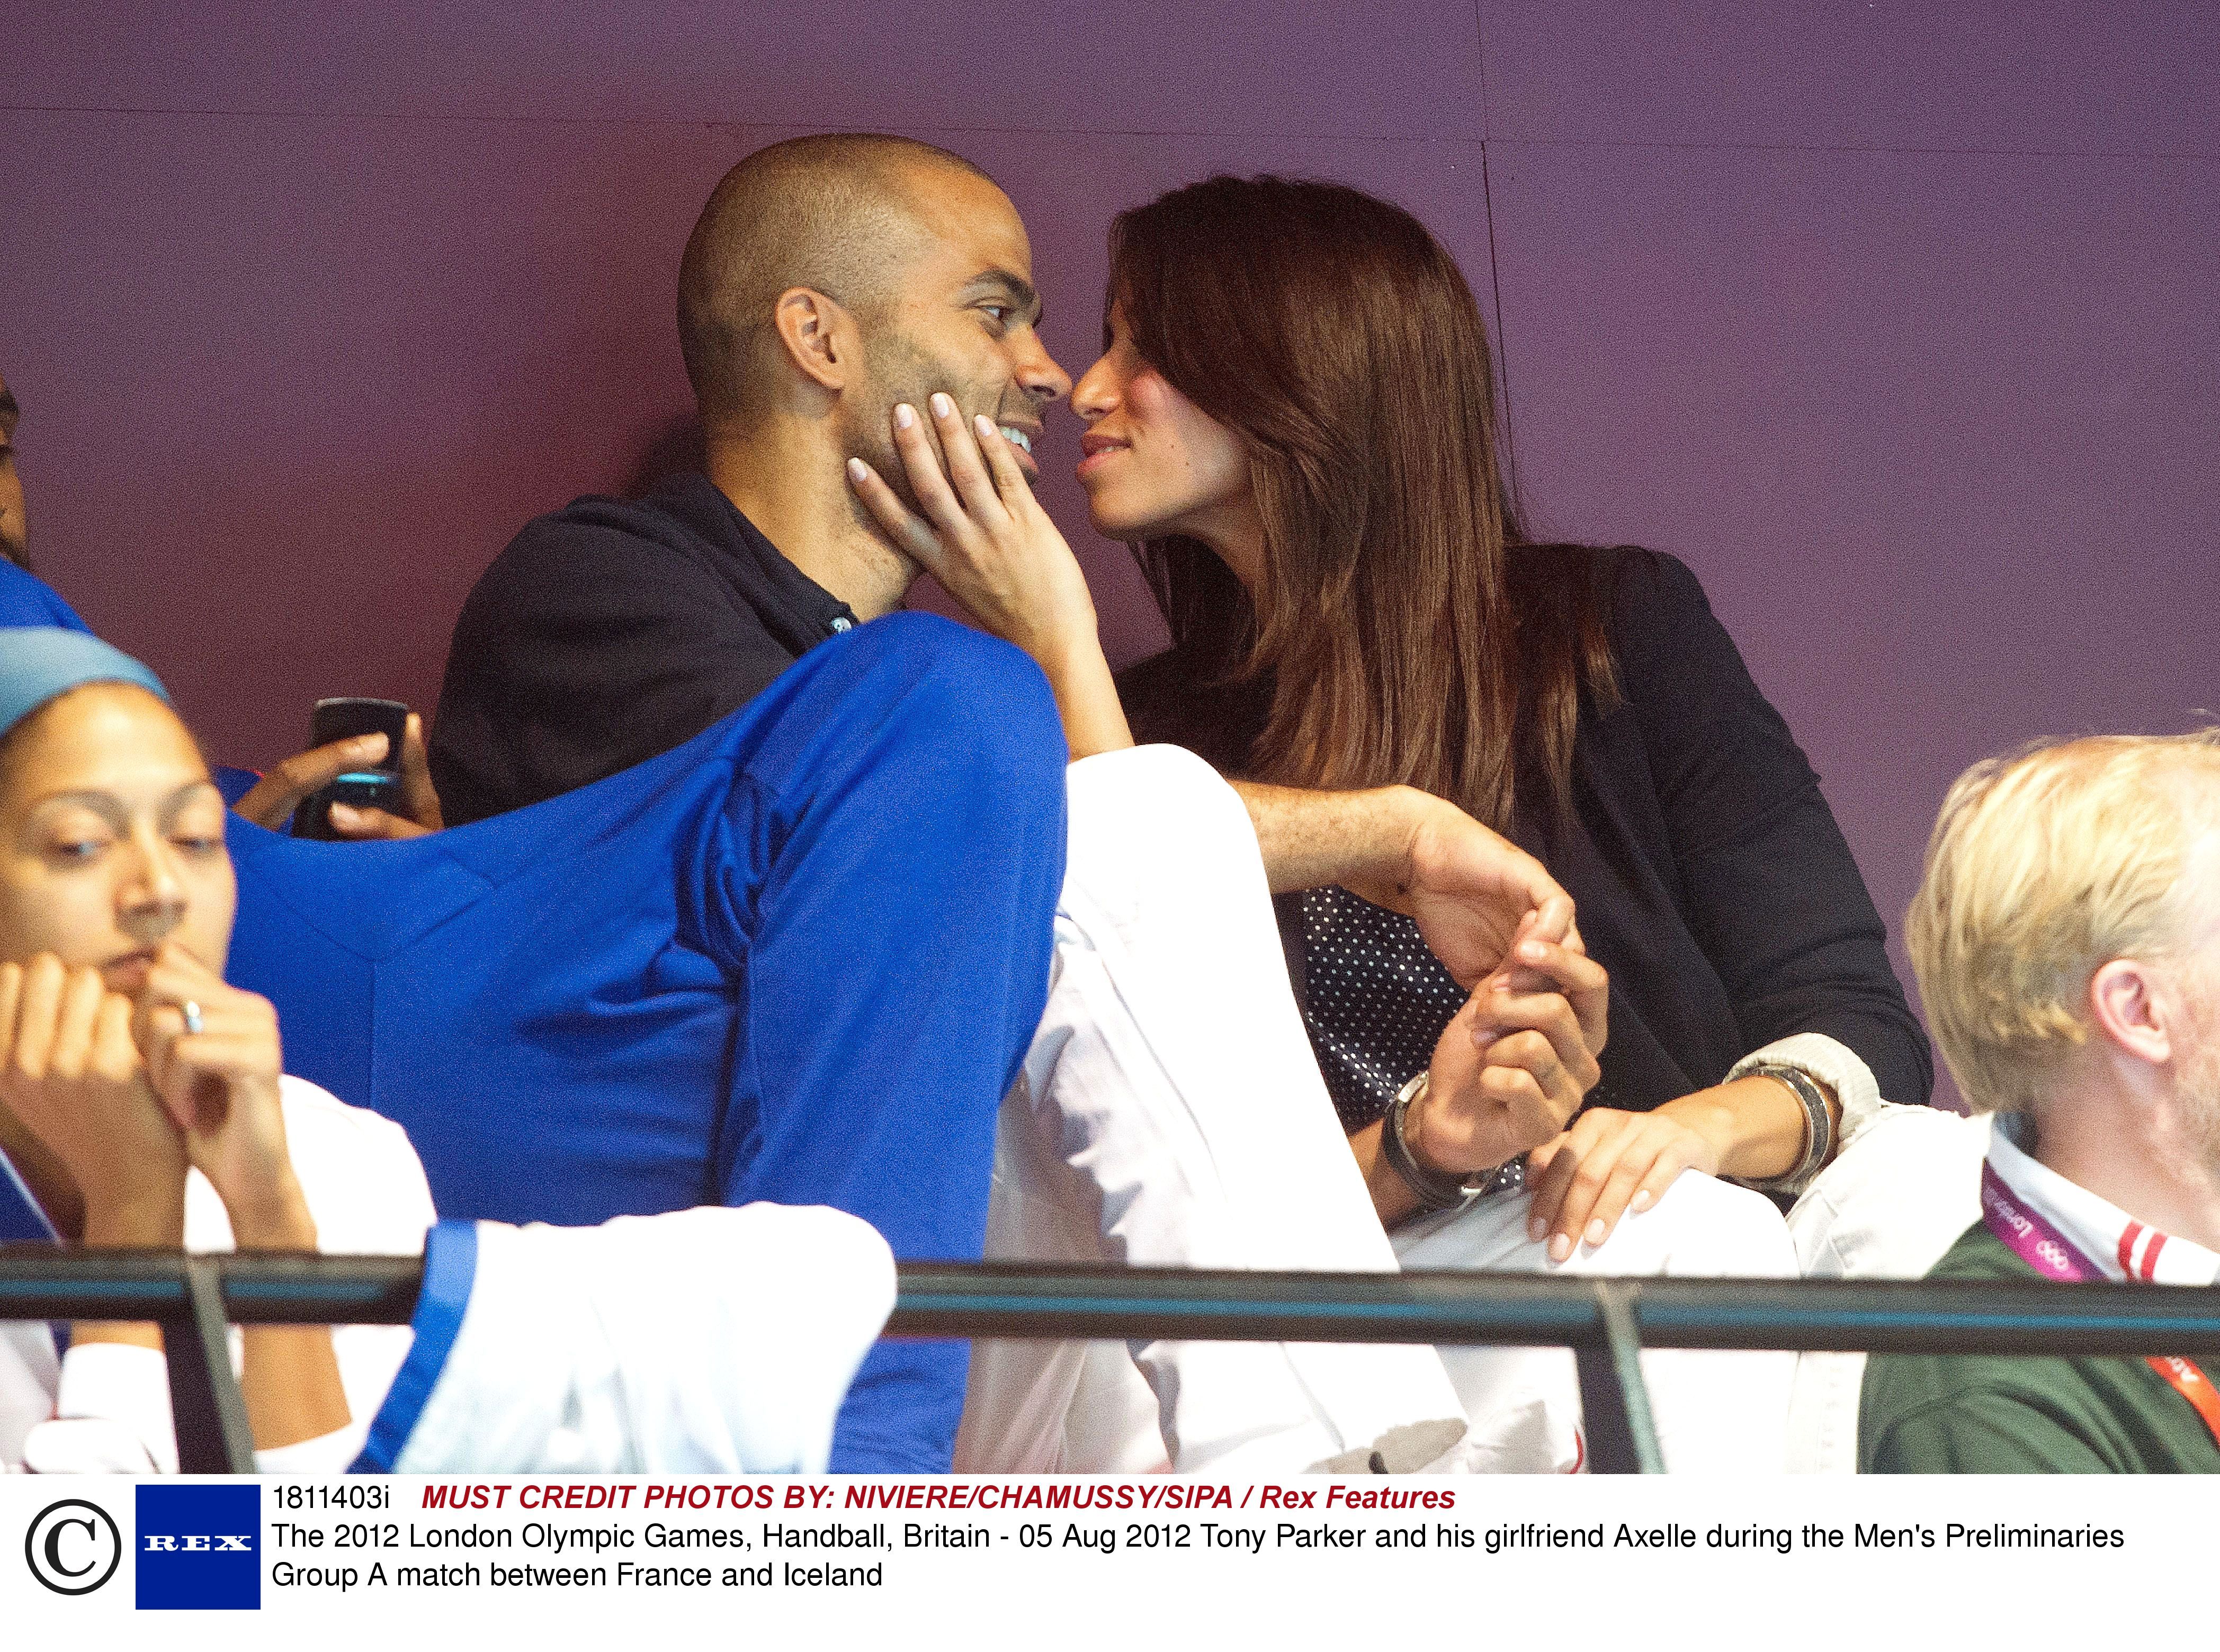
[(199, 1548)]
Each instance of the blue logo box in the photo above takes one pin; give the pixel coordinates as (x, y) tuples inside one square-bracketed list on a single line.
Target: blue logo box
[(199, 1548)]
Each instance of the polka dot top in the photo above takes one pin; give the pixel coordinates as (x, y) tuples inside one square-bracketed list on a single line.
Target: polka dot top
[(1378, 1000)]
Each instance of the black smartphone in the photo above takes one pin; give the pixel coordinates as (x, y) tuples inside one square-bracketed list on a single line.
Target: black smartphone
[(377, 785)]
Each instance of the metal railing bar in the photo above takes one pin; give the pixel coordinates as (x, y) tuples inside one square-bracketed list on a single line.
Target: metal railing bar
[(40, 1282), (1606, 1323), (1931, 1316), (1622, 1435), (205, 1403), (1015, 1300)]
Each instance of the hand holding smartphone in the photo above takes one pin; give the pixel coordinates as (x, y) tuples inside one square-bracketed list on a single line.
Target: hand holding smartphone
[(375, 786)]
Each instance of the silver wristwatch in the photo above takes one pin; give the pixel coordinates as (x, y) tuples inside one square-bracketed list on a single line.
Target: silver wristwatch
[(1435, 1191)]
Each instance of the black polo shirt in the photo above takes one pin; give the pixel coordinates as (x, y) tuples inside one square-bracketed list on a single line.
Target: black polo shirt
[(609, 632)]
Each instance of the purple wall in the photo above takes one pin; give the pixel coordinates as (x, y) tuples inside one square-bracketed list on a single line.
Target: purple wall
[(1897, 325)]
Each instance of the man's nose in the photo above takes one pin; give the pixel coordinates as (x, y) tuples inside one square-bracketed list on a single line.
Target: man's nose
[(1039, 374)]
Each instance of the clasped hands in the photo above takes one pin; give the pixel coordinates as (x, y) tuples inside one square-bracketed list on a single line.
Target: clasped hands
[(125, 1096), (1509, 1071)]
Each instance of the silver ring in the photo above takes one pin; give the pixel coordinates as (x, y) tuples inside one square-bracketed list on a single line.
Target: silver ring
[(192, 1016)]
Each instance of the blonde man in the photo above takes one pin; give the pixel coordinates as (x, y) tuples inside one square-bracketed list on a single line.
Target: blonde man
[(2067, 939)]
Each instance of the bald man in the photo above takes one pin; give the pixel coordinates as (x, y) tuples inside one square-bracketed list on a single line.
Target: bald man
[(829, 279)]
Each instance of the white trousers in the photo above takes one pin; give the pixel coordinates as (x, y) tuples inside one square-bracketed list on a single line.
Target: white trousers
[(1170, 1114), (598, 1350), (1715, 1413)]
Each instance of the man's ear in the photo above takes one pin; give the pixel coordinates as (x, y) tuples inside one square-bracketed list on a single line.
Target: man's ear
[(818, 334), (2126, 1003)]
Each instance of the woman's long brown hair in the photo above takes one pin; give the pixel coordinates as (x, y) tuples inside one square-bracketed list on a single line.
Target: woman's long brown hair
[(1406, 633)]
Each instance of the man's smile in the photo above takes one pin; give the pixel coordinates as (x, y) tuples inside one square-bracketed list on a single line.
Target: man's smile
[(1021, 436)]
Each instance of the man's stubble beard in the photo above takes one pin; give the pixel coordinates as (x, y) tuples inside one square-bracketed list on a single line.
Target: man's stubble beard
[(898, 372), (2198, 1085), (866, 424)]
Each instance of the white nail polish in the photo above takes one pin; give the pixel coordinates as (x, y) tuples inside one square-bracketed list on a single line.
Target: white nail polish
[(1559, 1248), (1595, 1235), (942, 407), (905, 415), (858, 470)]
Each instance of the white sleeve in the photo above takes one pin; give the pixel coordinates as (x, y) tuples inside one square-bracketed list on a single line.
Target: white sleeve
[(327, 1456), (707, 1341), (111, 1415), (29, 1372), (364, 1184), (366, 1189), (1894, 1200)]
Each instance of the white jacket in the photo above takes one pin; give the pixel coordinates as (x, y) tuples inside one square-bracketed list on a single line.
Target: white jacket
[(707, 1341), (104, 1408)]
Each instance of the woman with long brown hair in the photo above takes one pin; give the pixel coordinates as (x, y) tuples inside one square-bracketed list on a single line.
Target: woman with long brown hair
[(1374, 614), (1293, 419)]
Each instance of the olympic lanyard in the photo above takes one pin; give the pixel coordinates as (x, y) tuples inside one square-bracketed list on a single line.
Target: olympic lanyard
[(2054, 1255)]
